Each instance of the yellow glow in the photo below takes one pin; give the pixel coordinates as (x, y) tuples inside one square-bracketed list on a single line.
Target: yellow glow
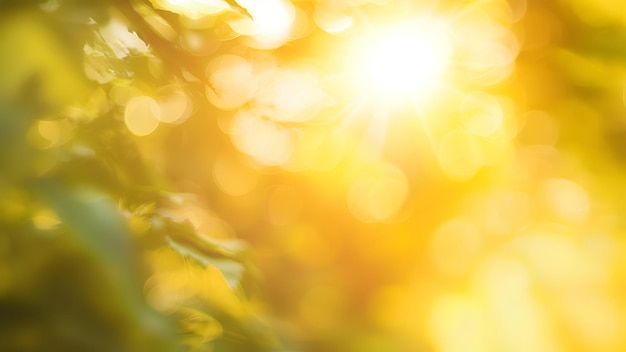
[(506, 286), (332, 20), (271, 22), (320, 308), (45, 220), (318, 151), (408, 59), (176, 106), (458, 324), (481, 113), (266, 141), (379, 195), (229, 81), (456, 245), (567, 199), (459, 155), (55, 132), (193, 9), (142, 115), (233, 177), (284, 206), (293, 94)]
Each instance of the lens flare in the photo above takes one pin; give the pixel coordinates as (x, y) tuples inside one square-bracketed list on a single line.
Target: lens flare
[(407, 60)]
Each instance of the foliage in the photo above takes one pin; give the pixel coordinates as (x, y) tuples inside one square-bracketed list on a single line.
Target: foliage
[(85, 217)]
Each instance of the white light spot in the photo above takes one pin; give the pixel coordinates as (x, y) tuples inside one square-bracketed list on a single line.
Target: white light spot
[(142, 115)]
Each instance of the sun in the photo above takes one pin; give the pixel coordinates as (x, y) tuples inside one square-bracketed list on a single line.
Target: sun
[(405, 61)]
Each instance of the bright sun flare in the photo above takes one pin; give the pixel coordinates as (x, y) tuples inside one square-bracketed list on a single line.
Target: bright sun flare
[(407, 60)]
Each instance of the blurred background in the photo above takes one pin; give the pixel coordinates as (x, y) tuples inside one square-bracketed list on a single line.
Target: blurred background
[(313, 175)]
